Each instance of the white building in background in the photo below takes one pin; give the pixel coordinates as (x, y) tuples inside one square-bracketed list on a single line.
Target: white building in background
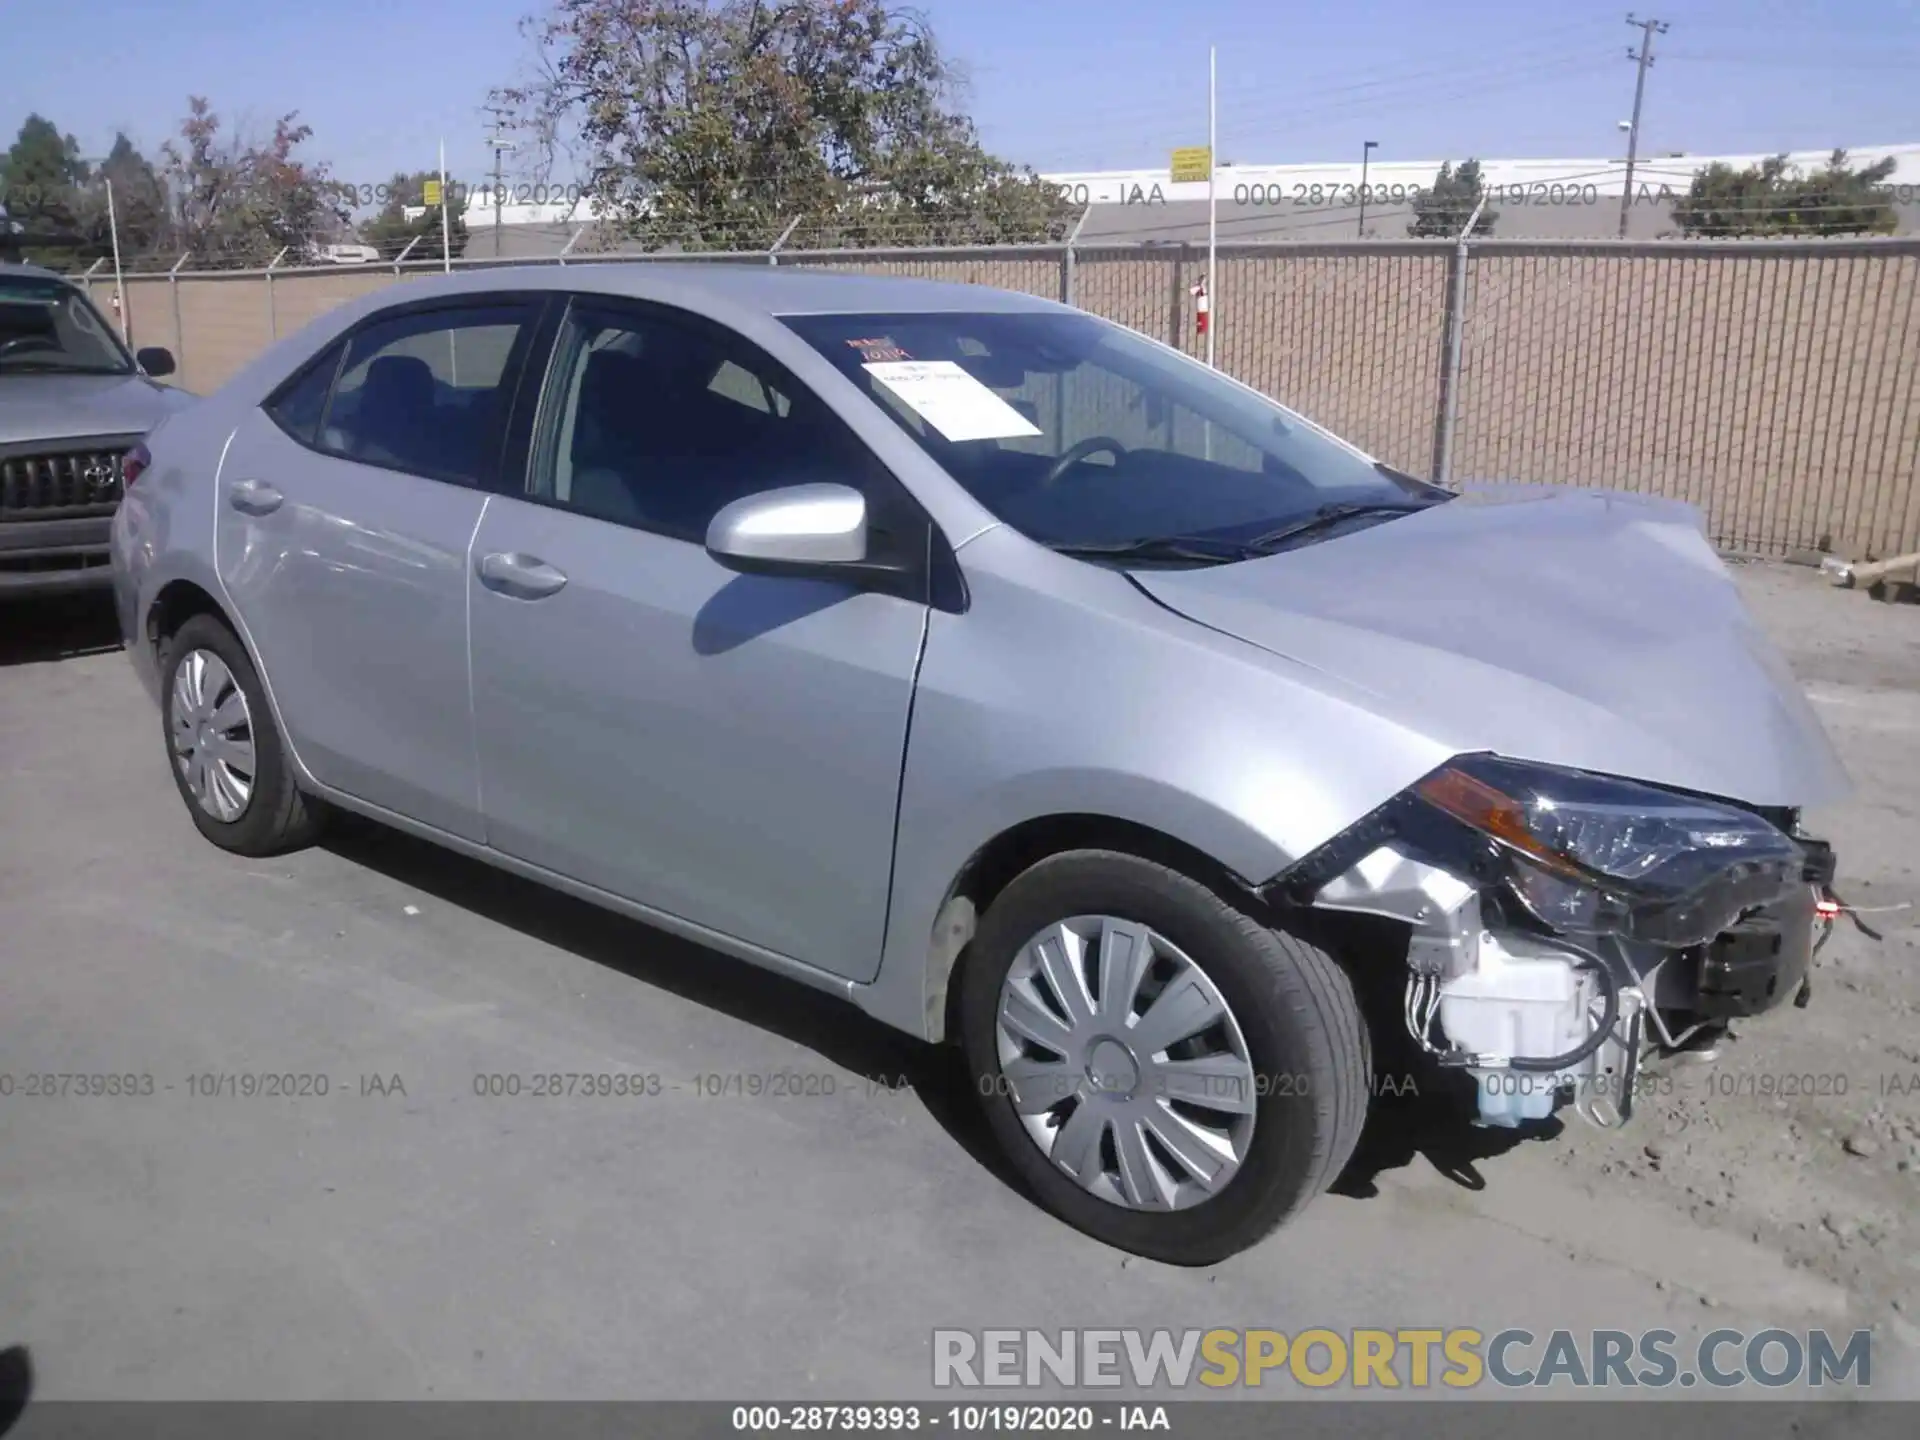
[(1570, 199), (1507, 178), (1536, 199)]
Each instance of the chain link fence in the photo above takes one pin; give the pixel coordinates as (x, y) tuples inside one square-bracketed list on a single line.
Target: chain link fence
[(1771, 383)]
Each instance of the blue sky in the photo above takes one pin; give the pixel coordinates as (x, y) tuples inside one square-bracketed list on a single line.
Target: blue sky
[(1059, 84)]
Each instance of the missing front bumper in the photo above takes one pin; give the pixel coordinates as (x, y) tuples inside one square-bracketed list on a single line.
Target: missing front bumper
[(1504, 1004), (1761, 962)]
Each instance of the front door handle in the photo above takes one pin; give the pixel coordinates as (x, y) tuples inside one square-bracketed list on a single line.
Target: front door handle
[(525, 577), (255, 497)]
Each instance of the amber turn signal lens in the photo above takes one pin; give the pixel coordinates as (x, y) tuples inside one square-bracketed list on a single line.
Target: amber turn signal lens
[(1494, 812)]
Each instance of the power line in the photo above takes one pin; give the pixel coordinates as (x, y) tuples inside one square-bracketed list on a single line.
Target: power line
[(1880, 61), (1463, 86), (1478, 58), (1451, 66), (1337, 102)]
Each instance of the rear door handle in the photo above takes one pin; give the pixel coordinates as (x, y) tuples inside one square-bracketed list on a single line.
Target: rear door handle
[(255, 497), (525, 577)]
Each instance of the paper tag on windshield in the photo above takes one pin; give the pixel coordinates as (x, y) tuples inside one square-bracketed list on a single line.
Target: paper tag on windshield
[(951, 400)]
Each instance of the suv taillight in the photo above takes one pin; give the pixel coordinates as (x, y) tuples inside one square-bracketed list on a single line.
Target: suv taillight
[(133, 464)]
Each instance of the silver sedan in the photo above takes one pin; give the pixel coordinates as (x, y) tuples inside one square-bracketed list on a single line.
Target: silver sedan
[(1008, 674)]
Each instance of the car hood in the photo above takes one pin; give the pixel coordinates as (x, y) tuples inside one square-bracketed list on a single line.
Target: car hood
[(70, 407), (1593, 630)]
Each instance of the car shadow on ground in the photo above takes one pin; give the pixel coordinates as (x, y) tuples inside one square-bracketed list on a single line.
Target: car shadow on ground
[(1417, 1110), (35, 629), (834, 1029), (1436, 1125), (1415, 1113)]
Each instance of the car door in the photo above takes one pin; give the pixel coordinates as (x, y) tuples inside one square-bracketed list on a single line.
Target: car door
[(346, 507), (720, 747)]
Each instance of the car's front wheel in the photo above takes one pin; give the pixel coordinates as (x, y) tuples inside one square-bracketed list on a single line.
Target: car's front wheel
[(225, 752), (1165, 1072)]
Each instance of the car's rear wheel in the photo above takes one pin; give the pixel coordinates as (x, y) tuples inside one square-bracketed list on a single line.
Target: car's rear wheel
[(1166, 1072), (224, 750)]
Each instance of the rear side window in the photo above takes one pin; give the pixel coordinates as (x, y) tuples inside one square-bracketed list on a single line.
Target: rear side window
[(299, 405), (428, 392)]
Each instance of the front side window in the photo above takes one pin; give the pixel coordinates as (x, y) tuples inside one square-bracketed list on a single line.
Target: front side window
[(1087, 437), (49, 327), (427, 392), (658, 422)]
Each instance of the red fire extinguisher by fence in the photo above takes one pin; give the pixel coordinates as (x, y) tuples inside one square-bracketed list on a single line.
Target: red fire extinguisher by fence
[(1199, 292)]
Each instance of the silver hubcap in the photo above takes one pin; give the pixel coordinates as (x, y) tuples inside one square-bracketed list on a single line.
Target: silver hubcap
[(1125, 1063), (212, 735)]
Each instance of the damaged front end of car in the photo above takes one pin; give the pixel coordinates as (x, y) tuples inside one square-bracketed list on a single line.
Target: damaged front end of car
[(1563, 925)]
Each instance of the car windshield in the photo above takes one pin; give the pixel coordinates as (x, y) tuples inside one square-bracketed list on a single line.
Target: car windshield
[(48, 326), (1084, 436)]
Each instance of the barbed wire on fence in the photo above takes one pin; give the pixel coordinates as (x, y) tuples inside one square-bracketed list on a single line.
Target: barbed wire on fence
[(541, 242), (1677, 335), (582, 224)]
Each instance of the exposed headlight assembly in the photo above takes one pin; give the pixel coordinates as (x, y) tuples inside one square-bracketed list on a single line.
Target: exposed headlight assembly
[(1591, 855)]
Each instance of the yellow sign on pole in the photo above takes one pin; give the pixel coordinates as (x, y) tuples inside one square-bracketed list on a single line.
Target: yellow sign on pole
[(430, 193), (1195, 162)]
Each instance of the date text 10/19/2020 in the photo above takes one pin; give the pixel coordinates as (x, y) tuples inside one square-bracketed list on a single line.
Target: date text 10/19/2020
[(1011, 1418), (24, 201), (1301, 194)]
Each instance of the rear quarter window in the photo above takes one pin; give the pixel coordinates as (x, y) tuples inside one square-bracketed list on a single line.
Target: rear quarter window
[(298, 406)]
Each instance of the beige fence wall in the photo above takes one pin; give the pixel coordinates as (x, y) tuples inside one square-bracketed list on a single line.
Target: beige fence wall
[(1773, 386), (1355, 347), (1775, 391), (215, 324)]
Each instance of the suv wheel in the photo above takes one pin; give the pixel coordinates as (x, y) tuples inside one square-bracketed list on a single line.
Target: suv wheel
[(1164, 1071), (227, 759)]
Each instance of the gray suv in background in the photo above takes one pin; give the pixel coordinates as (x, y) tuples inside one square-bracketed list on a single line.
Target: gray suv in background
[(72, 403)]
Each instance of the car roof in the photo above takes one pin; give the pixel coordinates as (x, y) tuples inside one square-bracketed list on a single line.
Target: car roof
[(36, 272), (767, 289)]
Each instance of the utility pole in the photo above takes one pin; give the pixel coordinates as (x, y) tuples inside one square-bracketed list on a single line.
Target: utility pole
[(1367, 147), (446, 222), (500, 146), (1643, 57), (1213, 206)]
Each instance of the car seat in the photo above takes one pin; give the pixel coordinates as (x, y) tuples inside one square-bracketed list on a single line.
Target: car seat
[(394, 422)]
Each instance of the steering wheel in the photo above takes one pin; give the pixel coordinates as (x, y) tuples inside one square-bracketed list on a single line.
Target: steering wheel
[(1092, 445), (40, 342)]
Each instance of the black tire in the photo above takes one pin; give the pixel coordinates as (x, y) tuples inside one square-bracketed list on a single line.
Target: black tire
[(277, 817), (1296, 1010)]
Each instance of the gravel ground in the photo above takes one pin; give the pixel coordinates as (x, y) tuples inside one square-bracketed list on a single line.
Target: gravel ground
[(436, 1244), (1804, 1133)]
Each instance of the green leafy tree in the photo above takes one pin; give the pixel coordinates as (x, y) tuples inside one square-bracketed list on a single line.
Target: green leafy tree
[(714, 124), (1444, 209), (41, 176), (236, 202), (1777, 198), (139, 208), (391, 229)]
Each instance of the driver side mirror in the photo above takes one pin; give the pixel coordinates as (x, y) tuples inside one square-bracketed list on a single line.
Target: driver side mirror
[(156, 360), (797, 530)]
